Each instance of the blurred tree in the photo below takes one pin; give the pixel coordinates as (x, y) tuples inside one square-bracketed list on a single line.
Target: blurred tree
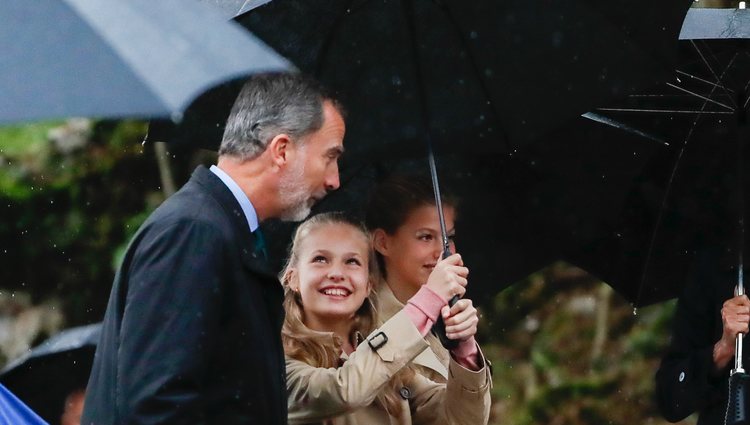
[(72, 192), (568, 350)]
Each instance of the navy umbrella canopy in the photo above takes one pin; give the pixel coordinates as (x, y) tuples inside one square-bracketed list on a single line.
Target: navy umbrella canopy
[(44, 376), (124, 58)]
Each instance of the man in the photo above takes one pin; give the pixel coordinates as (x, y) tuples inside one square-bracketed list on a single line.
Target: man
[(192, 329)]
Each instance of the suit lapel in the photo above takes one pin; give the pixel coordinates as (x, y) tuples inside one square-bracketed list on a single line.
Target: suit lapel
[(219, 191)]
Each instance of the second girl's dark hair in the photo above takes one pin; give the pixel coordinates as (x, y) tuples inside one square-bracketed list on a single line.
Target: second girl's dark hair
[(396, 197)]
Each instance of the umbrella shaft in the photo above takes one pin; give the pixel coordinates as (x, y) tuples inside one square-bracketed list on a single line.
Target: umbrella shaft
[(438, 200), (738, 355)]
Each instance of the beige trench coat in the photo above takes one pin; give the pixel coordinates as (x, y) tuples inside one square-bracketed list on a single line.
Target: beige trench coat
[(348, 394), (432, 363)]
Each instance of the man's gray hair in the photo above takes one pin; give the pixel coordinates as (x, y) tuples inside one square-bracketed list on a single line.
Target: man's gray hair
[(269, 105)]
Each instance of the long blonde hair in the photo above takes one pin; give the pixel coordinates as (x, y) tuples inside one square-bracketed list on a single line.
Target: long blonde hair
[(323, 349)]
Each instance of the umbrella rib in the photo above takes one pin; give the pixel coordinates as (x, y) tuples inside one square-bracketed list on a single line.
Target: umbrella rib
[(663, 206), (710, 68), (665, 111), (686, 74), (621, 126), (708, 99)]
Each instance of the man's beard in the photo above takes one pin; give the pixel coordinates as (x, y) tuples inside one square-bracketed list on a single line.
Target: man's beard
[(294, 195)]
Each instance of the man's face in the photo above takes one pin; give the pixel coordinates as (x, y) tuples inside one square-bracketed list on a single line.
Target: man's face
[(314, 170)]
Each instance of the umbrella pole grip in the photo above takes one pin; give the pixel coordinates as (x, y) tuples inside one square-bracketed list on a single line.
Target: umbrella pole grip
[(738, 355)]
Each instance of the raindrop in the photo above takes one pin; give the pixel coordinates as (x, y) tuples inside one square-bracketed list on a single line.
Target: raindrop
[(635, 311), (143, 143), (473, 35)]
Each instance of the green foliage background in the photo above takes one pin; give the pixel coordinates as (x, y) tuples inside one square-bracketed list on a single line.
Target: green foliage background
[(565, 349)]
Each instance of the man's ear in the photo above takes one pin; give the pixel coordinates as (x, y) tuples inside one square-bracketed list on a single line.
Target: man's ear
[(380, 241), (280, 149)]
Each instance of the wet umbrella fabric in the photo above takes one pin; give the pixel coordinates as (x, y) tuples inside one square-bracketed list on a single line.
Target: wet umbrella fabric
[(124, 58), (685, 196), (14, 412), (494, 74), (47, 374)]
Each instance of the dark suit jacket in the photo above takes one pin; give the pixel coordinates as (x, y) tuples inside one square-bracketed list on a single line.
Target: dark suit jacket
[(686, 381), (192, 332)]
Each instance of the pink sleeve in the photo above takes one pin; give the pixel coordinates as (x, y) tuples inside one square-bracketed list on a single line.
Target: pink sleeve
[(423, 309), (467, 354)]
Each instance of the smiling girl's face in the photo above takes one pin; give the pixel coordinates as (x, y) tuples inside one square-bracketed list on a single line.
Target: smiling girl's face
[(331, 274)]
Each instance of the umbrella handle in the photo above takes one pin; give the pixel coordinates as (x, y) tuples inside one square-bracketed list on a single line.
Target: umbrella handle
[(439, 329), (739, 339)]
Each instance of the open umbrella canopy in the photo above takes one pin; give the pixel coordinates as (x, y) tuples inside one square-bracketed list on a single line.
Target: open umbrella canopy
[(483, 76), (683, 156), (48, 373), (124, 58)]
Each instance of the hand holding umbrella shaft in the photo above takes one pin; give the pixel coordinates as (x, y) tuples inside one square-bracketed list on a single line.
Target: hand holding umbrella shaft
[(448, 278), (735, 316)]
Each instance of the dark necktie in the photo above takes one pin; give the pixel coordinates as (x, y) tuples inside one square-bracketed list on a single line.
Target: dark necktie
[(260, 244)]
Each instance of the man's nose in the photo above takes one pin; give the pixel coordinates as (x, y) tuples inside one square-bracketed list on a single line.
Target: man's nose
[(332, 179)]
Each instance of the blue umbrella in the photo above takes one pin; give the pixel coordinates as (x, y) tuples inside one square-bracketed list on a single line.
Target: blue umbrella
[(118, 58), (44, 376), (14, 412)]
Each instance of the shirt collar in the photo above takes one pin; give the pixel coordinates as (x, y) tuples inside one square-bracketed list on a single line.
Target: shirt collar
[(242, 199)]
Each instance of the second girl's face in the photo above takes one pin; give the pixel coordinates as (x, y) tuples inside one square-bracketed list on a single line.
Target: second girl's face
[(332, 274), (412, 251)]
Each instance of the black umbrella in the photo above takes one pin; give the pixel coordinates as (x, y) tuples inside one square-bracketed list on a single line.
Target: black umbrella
[(43, 377), (687, 193), (478, 79), (493, 74), (124, 58)]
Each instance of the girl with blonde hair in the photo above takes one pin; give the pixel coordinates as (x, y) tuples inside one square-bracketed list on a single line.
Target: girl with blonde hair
[(343, 367)]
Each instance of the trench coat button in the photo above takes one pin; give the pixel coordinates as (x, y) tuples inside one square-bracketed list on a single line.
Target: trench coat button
[(405, 393), (682, 376)]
